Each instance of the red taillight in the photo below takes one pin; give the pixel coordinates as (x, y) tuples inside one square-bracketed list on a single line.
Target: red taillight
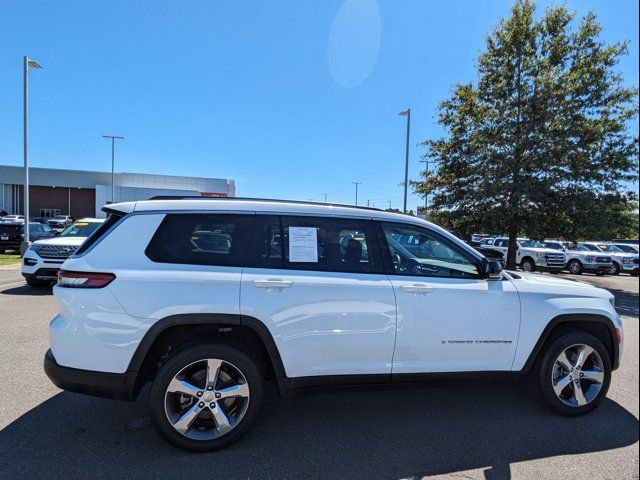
[(618, 336), (84, 279)]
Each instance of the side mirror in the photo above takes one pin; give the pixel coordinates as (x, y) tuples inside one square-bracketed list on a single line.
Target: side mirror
[(494, 270)]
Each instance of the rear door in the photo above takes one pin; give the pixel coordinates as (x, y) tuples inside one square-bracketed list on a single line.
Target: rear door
[(318, 285)]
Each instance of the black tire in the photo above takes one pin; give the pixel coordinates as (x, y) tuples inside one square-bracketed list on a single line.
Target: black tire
[(575, 267), (37, 283), (174, 365), (546, 365), (615, 269), (600, 273), (528, 265)]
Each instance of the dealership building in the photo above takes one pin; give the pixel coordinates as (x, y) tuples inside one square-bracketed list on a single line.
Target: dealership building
[(82, 193)]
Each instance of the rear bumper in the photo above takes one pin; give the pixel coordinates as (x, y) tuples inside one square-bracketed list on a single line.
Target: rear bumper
[(119, 386)]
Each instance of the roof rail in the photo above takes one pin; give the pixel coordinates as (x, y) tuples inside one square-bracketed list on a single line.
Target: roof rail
[(277, 200)]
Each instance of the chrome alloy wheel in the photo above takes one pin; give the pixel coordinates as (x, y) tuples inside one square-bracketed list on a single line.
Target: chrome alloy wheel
[(207, 399), (578, 375)]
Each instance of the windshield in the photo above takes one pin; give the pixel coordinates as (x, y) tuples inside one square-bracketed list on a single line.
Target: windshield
[(80, 229), (605, 247), (530, 244), (554, 245)]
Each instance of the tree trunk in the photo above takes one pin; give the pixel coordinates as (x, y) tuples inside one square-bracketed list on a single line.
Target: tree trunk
[(513, 246)]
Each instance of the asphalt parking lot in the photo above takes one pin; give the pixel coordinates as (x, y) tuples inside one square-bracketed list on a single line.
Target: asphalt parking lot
[(486, 431)]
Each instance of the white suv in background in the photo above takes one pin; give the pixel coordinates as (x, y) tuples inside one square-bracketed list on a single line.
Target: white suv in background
[(532, 255), (622, 261), (581, 258), (208, 298), (44, 258)]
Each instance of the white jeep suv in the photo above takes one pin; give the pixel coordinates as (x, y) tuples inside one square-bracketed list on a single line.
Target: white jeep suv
[(207, 298), (532, 255)]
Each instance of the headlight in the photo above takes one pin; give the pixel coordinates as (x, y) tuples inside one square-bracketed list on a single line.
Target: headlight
[(626, 260), (540, 256), (589, 259)]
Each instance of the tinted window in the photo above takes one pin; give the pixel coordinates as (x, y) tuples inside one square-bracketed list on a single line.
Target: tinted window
[(200, 239), (501, 243), (418, 251), (315, 243)]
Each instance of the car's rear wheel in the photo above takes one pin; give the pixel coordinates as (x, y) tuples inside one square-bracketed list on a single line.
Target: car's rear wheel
[(574, 373), (206, 397), (575, 267)]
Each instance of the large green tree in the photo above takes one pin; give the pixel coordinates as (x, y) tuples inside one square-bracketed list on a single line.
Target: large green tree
[(541, 144)]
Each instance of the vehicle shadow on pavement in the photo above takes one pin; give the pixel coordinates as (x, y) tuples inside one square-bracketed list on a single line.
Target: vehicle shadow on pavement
[(27, 290), (407, 433)]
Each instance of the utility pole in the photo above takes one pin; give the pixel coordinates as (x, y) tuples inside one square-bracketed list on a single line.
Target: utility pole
[(113, 163), (26, 63), (325, 197), (356, 184), (406, 113), (426, 194)]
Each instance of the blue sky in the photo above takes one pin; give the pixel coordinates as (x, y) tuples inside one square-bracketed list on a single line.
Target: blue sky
[(292, 99)]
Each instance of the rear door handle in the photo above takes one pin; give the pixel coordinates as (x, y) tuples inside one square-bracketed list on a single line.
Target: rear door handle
[(272, 283), (417, 288)]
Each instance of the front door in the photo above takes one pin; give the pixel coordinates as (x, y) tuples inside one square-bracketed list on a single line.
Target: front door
[(449, 319), (318, 285)]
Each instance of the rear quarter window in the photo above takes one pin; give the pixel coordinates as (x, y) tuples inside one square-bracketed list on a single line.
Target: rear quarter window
[(201, 239)]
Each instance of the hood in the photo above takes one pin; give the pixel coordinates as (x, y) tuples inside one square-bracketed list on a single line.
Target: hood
[(74, 241), (553, 285)]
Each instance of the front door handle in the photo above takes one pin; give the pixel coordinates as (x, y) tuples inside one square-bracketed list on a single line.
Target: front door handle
[(272, 283), (417, 288)]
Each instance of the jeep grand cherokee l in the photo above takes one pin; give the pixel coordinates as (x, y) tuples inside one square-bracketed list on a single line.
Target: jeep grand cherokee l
[(208, 298)]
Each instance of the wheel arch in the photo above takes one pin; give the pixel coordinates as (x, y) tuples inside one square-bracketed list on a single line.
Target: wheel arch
[(176, 332), (599, 326)]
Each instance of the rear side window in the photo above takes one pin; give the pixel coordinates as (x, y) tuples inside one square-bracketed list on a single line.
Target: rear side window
[(201, 239), (315, 243), (99, 233)]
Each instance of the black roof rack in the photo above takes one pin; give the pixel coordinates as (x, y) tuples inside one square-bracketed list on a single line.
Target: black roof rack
[(277, 200)]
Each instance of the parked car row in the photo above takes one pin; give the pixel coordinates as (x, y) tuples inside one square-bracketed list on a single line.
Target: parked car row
[(576, 257)]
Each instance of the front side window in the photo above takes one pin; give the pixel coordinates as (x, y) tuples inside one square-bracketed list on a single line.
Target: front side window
[(315, 243), (501, 243), (201, 239), (418, 251)]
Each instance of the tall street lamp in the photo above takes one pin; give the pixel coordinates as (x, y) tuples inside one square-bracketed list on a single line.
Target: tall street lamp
[(356, 184), (113, 162), (406, 113), (26, 63)]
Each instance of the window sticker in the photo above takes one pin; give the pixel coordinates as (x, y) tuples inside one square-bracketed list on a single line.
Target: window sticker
[(303, 244)]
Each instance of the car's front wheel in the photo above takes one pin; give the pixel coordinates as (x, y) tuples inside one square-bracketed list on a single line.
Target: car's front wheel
[(206, 397), (528, 265), (575, 267), (574, 373), (615, 269)]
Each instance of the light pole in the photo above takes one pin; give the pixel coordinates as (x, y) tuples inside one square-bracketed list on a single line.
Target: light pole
[(26, 63), (325, 197), (113, 162), (406, 113), (356, 184)]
